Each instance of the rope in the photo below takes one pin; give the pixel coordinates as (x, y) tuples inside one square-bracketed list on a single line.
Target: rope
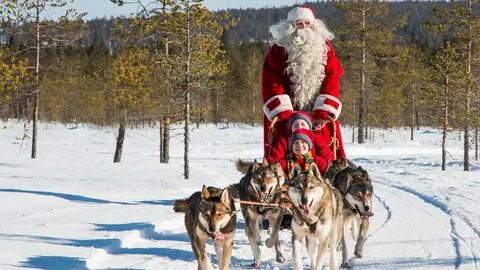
[(271, 134), (334, 143), (283, 206), (286, 206)]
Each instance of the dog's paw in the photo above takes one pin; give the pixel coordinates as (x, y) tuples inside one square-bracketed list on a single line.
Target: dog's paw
[(346, 265), (280, 258), (256, 264), (358, 253)]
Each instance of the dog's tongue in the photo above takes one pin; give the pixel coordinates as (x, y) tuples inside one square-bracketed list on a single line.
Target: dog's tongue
[(366, 215), (305, 210), (219, 235)]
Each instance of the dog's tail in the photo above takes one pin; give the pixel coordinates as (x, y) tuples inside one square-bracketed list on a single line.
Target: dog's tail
[(180, 206), (243, 166), (234, 191)]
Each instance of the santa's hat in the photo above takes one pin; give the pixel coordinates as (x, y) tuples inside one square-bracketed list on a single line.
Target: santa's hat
[(300, 134), (299, 115), (301, 13)]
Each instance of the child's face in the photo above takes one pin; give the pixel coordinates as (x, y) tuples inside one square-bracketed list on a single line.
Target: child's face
[(299, 124), (300, 147)]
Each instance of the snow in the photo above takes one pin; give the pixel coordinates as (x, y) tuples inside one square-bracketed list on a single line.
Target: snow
[(73, 208)]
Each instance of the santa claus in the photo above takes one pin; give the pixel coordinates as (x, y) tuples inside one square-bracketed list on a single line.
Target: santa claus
[(302, 73)]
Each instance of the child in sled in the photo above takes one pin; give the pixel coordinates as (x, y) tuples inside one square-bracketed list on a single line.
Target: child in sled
[(300, 146)]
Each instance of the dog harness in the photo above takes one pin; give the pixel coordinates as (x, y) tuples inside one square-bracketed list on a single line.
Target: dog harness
[(264, 209)]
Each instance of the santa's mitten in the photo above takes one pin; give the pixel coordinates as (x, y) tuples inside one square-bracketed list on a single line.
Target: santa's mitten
[(321, 115), (285, 115), (326, 105), (279, 105)]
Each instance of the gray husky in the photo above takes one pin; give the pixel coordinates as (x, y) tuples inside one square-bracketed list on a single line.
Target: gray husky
[(337, 166), (316, 217), (356, 188), (261, 183), (209, 214)]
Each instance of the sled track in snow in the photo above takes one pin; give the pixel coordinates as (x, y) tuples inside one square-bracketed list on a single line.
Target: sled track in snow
[(456, 237), (389, 215)]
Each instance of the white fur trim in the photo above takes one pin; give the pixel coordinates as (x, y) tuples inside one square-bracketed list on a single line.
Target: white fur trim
[(285, 105), (300, 13), (320, 105)]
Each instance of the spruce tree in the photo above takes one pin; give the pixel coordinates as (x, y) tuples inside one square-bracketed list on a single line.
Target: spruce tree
[(366, 40)]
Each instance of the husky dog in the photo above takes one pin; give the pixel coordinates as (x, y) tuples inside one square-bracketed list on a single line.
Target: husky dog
[(209, 214), (356, 188), (261, 183), (336, 166), (316, 217)]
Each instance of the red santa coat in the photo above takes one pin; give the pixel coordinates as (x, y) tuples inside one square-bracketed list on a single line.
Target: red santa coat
[(278, 93)]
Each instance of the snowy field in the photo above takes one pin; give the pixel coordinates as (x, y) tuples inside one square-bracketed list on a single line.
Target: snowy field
[(73, 208)]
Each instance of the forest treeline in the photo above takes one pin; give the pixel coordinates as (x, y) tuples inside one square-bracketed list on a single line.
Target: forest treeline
[(406, 64)]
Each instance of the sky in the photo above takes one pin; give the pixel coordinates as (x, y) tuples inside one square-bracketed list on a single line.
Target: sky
[(101, 8), (73, 208)]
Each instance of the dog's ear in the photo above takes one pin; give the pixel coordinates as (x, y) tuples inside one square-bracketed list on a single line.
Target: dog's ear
[(344, 185), (296, 171), (255, 164), (343, 161), (265, 162), (205, 192), (365, 176), (225, 197), (277, 167), (314, 170)]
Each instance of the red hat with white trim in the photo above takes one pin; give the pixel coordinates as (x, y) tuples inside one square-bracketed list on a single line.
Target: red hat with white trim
[(301, 13)]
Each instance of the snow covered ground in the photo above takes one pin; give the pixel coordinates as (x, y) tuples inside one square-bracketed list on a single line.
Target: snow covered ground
[(73, 208)]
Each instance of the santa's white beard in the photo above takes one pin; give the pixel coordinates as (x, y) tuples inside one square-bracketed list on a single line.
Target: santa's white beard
[(307, 57)]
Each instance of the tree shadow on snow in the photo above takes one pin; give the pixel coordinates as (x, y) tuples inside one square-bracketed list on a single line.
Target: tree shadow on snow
[(11, 165), (158, 202), (146, 230), (113, 246), (65, 196), (54, 263)]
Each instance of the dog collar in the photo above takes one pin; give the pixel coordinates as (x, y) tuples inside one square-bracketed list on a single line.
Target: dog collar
[(353, 209)]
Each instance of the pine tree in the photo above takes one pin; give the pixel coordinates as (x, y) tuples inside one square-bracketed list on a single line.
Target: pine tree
[(447, 74), (196, 59), (132, 88), (459, 23), (12, 74), (413, 74), (46, 32), (245, 61), (366, 38)]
